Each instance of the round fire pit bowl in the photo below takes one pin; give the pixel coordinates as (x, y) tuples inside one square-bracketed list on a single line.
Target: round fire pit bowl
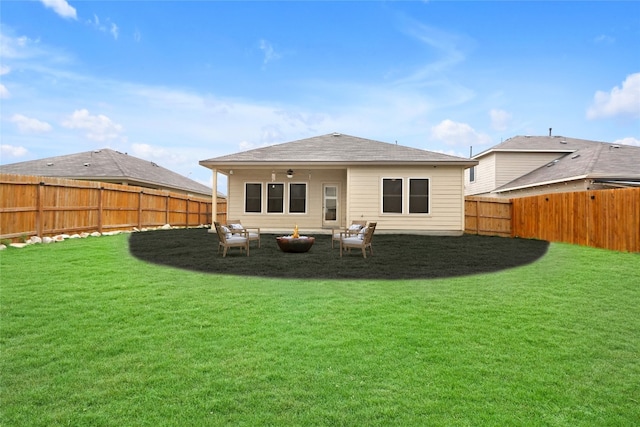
[(295, 244)]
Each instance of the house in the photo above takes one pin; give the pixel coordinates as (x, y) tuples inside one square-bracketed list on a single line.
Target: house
[(111, 166), (330, 180), (530, 165)]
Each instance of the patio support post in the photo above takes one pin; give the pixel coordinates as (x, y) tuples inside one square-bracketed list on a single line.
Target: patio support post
[(214, 200)]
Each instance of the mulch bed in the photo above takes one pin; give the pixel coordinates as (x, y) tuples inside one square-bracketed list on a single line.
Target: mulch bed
[(395, 256)]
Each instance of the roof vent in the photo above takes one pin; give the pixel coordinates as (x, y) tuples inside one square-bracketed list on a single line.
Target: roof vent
[(337, 134), (575, 156), (87, 164), (615, 146), (564, 141), (50, 164), (552, 163)]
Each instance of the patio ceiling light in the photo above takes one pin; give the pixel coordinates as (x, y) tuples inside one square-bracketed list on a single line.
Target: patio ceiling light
[(290, 173)]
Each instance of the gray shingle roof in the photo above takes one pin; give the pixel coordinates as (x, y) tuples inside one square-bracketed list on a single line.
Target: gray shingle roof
[(526, 143), (109, 166), (336, 149), (593, 160)]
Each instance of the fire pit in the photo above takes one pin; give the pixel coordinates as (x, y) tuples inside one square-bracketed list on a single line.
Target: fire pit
[(295, 244)]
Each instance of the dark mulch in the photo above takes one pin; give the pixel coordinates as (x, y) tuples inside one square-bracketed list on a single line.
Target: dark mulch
[(394, 256)]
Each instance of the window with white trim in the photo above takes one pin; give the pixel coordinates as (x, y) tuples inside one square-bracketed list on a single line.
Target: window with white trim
[(392, 195), (418, 195), (297, 198), (412, 199), (275, 198), (253, 197)]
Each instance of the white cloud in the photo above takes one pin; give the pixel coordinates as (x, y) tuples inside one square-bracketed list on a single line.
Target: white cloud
[(30, 125), (107, 27), (270, 53), (628, 141), (458, 134), (604, 39), (4, 70), (99, 128), (500, 119), (114, 31), (11, 151), (448, 48), (61, 7), (620, 101), (4, 92)]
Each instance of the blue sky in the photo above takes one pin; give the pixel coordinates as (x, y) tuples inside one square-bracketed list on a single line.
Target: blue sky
[(176, 82)]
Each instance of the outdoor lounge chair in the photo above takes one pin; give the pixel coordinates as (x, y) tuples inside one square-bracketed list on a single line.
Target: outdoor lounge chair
[(353, 229), (227, 240), (236, 227), (361, 241)]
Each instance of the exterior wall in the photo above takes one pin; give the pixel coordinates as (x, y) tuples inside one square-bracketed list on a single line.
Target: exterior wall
[(510, 166), (485, 176), (499, 168), (312, 219), (446, 199), (360, 198)]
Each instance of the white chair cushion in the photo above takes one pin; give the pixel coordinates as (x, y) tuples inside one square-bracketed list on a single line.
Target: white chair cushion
[(236, 226), (236, 239), (355, 227), (362, 233), (352, 241)]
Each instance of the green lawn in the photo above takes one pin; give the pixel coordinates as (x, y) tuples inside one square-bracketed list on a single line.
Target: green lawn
[(91, 335)]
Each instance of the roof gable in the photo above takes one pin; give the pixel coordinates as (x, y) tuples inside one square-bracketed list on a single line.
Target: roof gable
[(335, 148)]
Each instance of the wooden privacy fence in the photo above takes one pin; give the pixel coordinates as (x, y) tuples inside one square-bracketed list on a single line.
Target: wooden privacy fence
[(487, 216), (43, 206), (608, 219)]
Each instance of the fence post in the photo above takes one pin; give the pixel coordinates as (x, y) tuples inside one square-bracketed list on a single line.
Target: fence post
[(100, 204), (140, 195), (40, 209), (166, 212)]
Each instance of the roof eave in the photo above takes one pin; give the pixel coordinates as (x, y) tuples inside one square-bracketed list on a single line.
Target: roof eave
[(341, 164), (539, 184), (516, 150)]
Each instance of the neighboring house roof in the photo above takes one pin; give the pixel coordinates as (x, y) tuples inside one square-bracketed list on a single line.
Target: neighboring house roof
[(599, 161), (108, 166), (336, 149), (539, 144)]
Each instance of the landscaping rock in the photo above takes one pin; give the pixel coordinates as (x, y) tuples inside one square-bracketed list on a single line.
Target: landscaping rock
[(35, 239), (18, 245), (47, 239), (2, 247)]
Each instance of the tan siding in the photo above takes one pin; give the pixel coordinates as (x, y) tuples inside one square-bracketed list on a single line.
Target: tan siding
[(311, 220), (510, 166), (485, 176), (446, 206)]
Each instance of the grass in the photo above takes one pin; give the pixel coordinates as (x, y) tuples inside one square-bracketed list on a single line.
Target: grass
[(93, 336)]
